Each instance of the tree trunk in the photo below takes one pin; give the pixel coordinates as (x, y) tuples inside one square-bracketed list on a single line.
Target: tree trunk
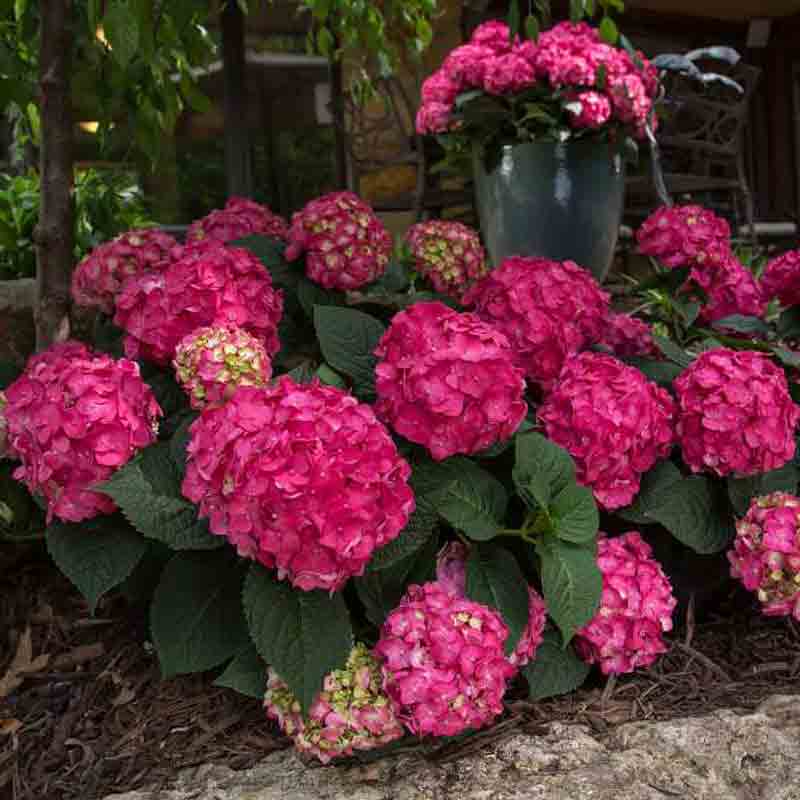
[(339, 123), (55, 231), (238, 156)]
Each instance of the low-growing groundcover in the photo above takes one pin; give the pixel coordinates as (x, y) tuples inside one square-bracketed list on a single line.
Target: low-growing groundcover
[(377, 509)]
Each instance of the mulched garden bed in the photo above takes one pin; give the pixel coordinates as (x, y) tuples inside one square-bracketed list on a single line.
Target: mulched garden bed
[(83, 712)]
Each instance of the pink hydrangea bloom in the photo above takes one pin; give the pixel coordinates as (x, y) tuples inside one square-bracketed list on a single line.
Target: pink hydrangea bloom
[(240, 217), (212, 362), (628, 336), (5, 446), (207, 283), (613, 421), (548, 310), (433, 118), (594, 112), (74, 418), (735, 415), (448, 254), (567, 55), (781, 278), (466, 65), (451, 575), (635, 611), (98, 279), (345, 243), (446, 380), (493, 34), (351, 713), (439, 88), (766, 553), (508, 73), (300, 477), (678, 235), (729, 286), (444, 668), (630, 101)]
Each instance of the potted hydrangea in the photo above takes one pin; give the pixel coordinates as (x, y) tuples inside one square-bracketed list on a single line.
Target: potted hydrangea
[(546, 119)]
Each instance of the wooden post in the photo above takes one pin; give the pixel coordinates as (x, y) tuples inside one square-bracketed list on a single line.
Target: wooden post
[(339, 133), (238, 155), (54, 233)]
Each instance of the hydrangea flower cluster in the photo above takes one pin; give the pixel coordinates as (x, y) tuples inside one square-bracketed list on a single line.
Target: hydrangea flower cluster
[(678, 236), (98, 279), (240, 217), (613, 421), (74, 417), (300, 477), (627, 336), (548, 310), (351, 713), (569, 58), (448, 254), (781, 278), (345, 243), (444, 668), (766, 553), (212, 362), (735, 414), (451, 575), (729, 286), (207, 283), (447, 381), (635, 611)]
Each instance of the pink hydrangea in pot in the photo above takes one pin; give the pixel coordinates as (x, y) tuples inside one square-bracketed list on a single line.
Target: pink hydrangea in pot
[(240, 217), (351, 713), (635, 610), (346, 246), (98, 279), (74, 417), (300, 477), (444, 667), (614, 422), (735, 414), (766, 553), (548, 310), (447, 254), (446, 380), (207, 283)]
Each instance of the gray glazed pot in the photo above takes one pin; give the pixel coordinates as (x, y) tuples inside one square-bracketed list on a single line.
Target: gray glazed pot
[(554, 200)]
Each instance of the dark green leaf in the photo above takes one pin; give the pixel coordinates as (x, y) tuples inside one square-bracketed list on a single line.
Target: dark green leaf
[(788, 358), (196, 618), (121, 30), (742, 490), (555, 670), (655, 483), (330, 377), (421, 527), (532, 28), (571, 583), (270, 253), (672, 351), (310, 295), (542, 469), (304, 373), (303, 635), (788, 325), (9, 372), (495, 579), (246, 674), (394, 279), (574, 515), (576, 10), (608, 31), (96, 555), (347, 339), (513, 20), (661, 372), (742, 324)]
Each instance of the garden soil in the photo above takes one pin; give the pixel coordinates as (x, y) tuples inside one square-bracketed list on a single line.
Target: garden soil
[(84, 714)]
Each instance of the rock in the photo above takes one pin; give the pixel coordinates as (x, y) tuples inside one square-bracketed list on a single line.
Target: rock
[(723, 756)]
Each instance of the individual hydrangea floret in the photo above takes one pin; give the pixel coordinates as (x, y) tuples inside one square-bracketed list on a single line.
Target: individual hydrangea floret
[(766, 553), (240, 217), (447, 381), (444, 668), (735, 414), (74, 418), (636, 607), (781, 279), (626, 336), (548, 310), (300, 477), (451, 575), (448, 254), (345, 244), (730, 287), (613, 421), (351, 713), (98, 279), (207, 283), (212, 362), (678, 236)]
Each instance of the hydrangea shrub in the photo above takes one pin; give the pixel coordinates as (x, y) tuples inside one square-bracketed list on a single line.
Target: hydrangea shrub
[(240, 217)]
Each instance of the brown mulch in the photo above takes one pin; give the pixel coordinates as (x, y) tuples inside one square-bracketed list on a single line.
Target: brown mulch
[(83, 712)]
